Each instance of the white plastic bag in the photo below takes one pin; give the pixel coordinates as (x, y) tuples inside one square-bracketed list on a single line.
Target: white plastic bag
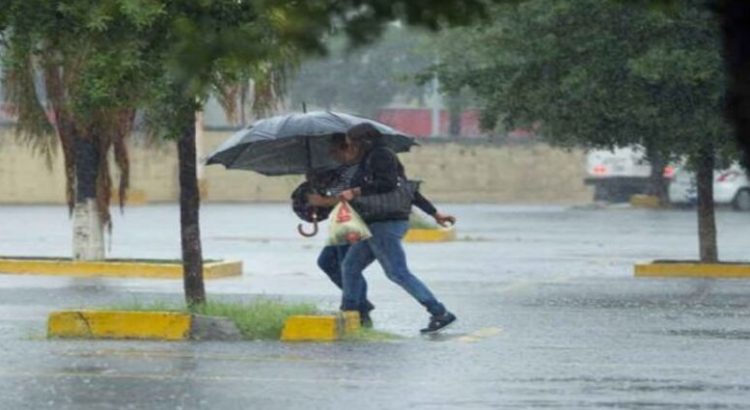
[(346, 226)]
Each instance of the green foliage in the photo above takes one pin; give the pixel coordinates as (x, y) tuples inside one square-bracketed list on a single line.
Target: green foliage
[(97, 43), (261, 319), (597, 73)]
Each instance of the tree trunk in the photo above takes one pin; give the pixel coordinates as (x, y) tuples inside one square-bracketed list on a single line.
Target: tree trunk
[(192, 255), (88, 233), (657, 184), (244, 93), (454, 114), (735, 25), (706, 215)]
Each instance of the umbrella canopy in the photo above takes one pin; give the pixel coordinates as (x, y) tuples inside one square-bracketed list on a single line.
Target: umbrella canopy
[(295, 143)]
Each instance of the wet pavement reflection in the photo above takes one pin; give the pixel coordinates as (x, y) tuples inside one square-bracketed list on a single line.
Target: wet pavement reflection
[(550, 317)]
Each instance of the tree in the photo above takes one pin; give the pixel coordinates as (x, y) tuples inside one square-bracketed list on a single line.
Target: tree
[(734, 16), (603, 74), (196, 45), (69, 69), (102, 59)]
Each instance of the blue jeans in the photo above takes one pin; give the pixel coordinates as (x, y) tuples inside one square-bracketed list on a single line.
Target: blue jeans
[(385, 247), (329, 261)]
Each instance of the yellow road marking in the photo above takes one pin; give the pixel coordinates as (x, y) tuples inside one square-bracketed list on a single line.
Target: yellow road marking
[(480, 334)]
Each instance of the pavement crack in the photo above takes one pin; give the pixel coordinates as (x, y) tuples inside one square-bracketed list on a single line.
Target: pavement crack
[(85, 320)]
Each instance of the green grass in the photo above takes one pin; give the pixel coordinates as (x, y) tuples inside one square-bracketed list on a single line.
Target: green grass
[(259, 319)]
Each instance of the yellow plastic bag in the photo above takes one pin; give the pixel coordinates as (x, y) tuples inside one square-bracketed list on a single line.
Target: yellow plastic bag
[(346, 226)]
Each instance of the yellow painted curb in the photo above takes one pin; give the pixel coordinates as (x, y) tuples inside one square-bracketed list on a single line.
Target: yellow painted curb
[(430, 235), (117, 269), (319, 328), (645, 201), (693, 270), (119, 325)]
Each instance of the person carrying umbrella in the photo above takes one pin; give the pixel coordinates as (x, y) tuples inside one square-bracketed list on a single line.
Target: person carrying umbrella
[(332, 183), (381, 172)]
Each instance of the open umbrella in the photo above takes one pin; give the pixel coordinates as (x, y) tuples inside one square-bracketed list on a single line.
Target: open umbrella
[(295, 143)]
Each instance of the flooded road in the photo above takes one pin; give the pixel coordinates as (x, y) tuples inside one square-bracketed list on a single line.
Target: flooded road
[(550, 317)]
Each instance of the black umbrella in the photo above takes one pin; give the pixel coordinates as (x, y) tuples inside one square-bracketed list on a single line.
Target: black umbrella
[(295, 143)]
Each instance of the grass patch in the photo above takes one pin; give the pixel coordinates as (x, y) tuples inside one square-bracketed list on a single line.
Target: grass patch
[(370, 335), (259, 319)]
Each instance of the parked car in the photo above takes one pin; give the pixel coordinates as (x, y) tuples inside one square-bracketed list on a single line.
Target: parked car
[(731, 187), (620, 173)]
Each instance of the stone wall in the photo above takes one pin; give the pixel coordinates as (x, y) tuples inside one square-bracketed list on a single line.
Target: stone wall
[(451, 173)]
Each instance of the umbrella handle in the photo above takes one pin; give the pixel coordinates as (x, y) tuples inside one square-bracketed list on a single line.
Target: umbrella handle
[(314, 230)]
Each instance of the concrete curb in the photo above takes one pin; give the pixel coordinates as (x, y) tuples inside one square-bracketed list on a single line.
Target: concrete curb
[(320, 328), (90, 324), (115, 268), (430, 235), (692, 270), (165, 326)]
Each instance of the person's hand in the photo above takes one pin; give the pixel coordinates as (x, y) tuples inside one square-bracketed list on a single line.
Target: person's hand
[(349, 194), (444, 220), (320, 200)]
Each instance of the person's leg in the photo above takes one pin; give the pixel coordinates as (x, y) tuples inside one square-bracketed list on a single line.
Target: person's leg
[(357, 258), (366, 306), (330, 260), (386, 246), (330, 263)]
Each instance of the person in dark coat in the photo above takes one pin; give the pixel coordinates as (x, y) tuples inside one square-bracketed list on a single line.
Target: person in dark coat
[(380, 172), (329, 185)]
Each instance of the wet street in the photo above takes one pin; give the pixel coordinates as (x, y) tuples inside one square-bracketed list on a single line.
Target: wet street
[(550, 317)]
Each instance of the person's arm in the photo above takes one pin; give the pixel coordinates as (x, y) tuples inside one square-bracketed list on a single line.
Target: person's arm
[(424, 204), (421, 202)]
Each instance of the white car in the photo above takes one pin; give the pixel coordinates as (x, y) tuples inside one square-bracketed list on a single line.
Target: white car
[(731, 187), (619, 173)]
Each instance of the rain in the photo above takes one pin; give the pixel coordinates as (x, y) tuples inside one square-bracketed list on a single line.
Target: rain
[(578, 238)]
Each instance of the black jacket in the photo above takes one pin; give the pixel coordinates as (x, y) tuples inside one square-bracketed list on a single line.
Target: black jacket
[(379, 173)]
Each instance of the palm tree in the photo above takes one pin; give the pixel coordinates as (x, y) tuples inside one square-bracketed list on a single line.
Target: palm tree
[(72, 89)]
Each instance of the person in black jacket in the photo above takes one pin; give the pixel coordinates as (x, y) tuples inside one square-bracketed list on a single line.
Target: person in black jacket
[(329, 184), (379, 172)]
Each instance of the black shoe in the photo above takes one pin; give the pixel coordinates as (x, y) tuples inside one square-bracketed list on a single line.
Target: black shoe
[(439, 322), (365, 320)]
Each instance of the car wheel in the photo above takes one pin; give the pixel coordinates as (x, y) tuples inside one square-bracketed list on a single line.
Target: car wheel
[(741, 201)]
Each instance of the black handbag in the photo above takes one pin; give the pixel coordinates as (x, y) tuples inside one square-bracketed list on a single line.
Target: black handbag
[(395, 204)]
